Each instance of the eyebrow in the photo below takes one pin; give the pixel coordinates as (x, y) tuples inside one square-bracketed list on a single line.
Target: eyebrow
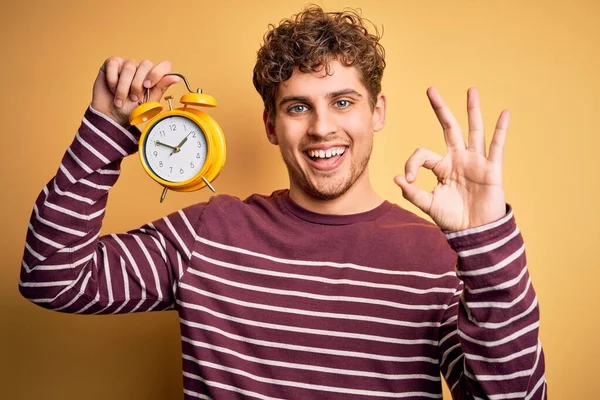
[(305, 99)]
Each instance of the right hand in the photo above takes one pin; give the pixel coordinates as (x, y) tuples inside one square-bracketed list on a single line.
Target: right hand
[(121, 84)]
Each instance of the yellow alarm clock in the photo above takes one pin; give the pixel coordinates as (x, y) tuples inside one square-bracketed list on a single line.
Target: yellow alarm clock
[(182, 149)]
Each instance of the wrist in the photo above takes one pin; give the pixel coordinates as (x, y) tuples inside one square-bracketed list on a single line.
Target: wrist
[(125, 140), (115, 117), (490, 215), (501, 219)]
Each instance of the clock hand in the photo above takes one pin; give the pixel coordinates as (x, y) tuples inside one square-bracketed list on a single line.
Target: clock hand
[(165, 145), (178, 147)]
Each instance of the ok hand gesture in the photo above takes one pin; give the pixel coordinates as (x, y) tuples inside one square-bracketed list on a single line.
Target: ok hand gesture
[(469, 191)]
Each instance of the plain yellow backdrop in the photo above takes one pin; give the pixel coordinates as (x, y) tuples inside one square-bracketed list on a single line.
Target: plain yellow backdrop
[(540, 59)]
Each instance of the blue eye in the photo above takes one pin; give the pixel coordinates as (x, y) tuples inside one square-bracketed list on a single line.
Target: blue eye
[(299, 108), (342, 104)]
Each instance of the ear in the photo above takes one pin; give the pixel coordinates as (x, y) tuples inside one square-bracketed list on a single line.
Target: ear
[(379, 113), (269, 129)]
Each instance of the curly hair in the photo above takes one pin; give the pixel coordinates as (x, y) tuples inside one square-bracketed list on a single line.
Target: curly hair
[(309, 41)]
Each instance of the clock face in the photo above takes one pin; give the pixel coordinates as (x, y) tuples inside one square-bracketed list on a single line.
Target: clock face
[(175, 148)]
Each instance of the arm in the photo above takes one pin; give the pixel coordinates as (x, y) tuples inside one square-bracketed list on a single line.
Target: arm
[(489, 344), (492, 349), (66, 265)]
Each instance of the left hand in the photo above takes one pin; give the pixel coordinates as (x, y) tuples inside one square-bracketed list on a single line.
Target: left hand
[(469, 191)]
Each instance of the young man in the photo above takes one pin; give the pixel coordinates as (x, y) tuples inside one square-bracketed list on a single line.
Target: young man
[(321, 291)]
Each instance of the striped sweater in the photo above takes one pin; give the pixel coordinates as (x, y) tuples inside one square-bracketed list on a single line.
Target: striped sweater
[(276, 302)]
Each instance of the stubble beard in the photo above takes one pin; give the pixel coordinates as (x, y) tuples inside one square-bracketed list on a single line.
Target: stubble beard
[(329, 189)]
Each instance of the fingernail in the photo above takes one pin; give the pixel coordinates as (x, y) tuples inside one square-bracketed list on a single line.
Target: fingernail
[(147, 83), (409, 177), (118, 102), (133, 97)]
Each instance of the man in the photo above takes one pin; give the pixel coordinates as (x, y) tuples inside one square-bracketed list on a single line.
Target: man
[(322, 291)]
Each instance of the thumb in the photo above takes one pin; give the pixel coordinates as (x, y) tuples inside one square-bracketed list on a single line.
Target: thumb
[(411, 192)]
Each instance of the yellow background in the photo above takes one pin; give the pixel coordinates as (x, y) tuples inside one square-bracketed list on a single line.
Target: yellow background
[(538, 58)]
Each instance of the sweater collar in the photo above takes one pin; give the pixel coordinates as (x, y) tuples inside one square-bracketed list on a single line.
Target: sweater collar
[(288, 205)]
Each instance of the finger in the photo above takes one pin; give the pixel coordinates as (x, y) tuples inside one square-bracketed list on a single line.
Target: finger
[(162, 86), (417, 196), (125, 78), (476, 129), (452, 133), (111, 68), (421, 158), (158, 81), (497, 145), (136, 91)]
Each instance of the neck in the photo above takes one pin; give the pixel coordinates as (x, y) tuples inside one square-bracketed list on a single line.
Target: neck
[(361, 197)]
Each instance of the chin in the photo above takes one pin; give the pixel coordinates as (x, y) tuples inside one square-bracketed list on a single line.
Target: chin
[(326, 192)]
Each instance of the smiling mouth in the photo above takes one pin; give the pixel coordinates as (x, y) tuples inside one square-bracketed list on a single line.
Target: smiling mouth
[(332, 152), (326, 160)]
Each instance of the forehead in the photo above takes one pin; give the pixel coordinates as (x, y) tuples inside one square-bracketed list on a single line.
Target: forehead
[(319, 84)]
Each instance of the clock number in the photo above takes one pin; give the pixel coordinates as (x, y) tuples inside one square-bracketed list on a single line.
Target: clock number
[(170, 169), (181, 170), (162, 133), (173, 127), (160, 164), (198, 155), (155, 153), (192, 165), (194, 134), (199, 145)]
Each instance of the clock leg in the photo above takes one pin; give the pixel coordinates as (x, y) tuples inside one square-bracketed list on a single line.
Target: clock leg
[(164, 194), (208, 184)]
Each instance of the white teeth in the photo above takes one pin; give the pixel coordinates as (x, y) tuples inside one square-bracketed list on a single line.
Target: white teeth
[(334, 151)]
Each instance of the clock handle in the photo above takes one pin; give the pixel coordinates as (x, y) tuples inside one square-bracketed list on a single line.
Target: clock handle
[(187, 84)]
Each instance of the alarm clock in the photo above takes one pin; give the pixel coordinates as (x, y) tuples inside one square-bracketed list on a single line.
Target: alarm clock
[(182, 149)]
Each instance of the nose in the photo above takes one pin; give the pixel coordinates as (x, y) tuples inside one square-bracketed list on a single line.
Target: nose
[(322, 123)]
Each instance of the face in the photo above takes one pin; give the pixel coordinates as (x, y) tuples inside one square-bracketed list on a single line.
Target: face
[(324, 127)]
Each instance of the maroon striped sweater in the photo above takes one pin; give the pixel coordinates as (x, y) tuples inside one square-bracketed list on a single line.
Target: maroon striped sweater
[(276, 302)]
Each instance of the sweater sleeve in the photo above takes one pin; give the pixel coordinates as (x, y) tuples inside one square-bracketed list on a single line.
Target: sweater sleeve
[(67, 266), (489, 346)]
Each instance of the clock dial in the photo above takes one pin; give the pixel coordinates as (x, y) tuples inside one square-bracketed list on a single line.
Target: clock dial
[(175, 148)]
